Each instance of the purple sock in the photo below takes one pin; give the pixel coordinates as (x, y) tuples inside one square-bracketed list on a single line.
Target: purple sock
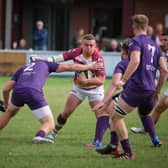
[(101, 127), (40, 133), (114, 138), (126, 146), (149, 125)]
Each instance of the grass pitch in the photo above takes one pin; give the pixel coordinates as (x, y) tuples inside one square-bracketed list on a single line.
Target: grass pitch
[(69, 151)]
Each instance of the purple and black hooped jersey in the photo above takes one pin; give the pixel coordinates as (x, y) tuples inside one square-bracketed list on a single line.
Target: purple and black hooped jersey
[(144, 77), (34, 75)]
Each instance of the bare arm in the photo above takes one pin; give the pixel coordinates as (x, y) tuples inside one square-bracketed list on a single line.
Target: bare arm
[(112, 88), (56, 58), (79, 67), (6, 90), (94, 81), (109, 93), (132, 66), (163, 74)]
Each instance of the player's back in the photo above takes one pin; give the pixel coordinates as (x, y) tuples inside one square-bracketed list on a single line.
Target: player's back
[(144, 76), (32, 75)]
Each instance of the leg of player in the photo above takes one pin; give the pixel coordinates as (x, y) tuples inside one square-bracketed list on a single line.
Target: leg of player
[(119, 111), (140, 129), (2, 106), (112, 148), (147, 121), (161, 106), (101, 126), (70, 106), (150, 128), (5, 118), (45, 117)]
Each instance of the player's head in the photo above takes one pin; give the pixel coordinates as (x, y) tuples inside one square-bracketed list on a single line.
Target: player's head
[(140, 23), (124, 48), (164, 45), (88, 44)]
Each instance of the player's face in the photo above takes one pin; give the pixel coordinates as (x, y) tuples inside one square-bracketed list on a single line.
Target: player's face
[(124, 54), (88, 46), (164, 45)]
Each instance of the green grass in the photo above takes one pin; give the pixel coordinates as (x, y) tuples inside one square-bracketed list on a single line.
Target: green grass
[(17, 151)]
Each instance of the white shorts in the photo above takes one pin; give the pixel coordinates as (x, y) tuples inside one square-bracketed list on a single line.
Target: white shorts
[(42, 112), (92, 94)]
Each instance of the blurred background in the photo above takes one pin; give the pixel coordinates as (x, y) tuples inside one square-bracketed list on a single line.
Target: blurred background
[(64, 22), (63, 19)]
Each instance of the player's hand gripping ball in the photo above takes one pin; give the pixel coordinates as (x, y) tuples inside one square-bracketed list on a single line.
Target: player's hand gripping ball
[(82, 77)]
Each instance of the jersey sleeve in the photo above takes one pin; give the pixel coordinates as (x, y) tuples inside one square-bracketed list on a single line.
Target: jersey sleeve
[(99, 58), (71, 54), (52, 66), (134, 46), (120, 68), (15, 77)]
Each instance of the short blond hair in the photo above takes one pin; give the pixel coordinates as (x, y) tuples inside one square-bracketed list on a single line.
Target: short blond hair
[(88, 37), (140, 21)]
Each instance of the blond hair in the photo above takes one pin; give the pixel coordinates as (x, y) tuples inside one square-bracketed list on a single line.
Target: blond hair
[(88, 37), (140, 21)]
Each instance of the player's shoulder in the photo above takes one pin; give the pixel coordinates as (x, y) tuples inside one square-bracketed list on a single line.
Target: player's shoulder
[(123, 62), (97, 55), (139, 40), (136, 39), (75, 50)]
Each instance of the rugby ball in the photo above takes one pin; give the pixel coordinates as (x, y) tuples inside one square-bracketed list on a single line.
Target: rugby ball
[(86, 74), (83, 75)]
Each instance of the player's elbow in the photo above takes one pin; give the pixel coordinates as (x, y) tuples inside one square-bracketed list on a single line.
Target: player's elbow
[(100, 82), (135, 63), (6, 90)]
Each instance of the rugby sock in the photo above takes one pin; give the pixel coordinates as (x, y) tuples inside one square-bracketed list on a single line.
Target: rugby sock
[(101, 127), (126, 146), (60, 123), (149, 126), (114, 139), (40, 133)]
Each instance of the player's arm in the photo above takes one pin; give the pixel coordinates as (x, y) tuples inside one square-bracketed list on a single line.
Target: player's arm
[(109, 93), (55, 58), (99, 80), (79, 67), (163, 74), (64, 56), (6, 90), (113, 87), (132, 66)]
